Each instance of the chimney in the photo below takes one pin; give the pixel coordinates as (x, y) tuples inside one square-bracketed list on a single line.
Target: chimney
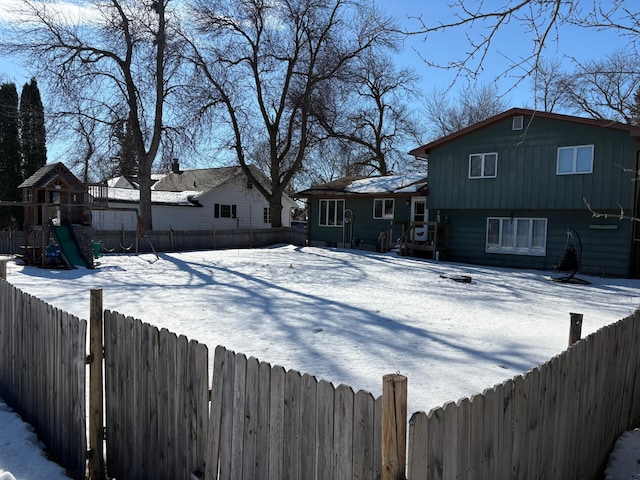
[(175, 166)]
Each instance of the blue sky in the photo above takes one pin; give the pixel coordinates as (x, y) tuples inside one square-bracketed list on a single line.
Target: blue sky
[(511, 44)]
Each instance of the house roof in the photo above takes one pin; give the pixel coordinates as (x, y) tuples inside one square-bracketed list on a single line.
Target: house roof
[(185, 188), (48, 173), (385, 185), (187, 198), (423, 151), (202, 179)]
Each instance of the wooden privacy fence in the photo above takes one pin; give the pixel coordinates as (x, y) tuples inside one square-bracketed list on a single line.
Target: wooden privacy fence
[(559, 420), (123, 241), (181, 240), (258, 421), (263, 422), (156, 397), (42, 373), (268, 423)]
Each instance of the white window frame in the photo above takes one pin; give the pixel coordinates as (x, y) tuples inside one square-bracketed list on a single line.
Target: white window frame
[(483, 169), (517, 122), (338, 213), (223, 210), (516, 236), (387, 207), (574, 168), (266, 215)]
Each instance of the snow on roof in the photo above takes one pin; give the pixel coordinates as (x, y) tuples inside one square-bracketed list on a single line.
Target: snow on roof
[(131, 195), (391, 183)]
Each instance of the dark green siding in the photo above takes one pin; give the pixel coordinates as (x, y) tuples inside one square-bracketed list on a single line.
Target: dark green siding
[(605, 251), (366, 229), (526, 171)]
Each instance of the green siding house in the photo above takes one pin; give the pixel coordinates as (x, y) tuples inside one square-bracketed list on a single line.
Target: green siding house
[(369, 213), (512, 186)]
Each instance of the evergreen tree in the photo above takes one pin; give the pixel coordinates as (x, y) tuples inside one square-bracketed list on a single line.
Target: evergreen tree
[(10, 165), (32, 133), (127, 160)]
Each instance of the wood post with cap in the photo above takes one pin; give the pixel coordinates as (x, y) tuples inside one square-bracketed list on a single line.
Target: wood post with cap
[(3, 268), (575, 329)]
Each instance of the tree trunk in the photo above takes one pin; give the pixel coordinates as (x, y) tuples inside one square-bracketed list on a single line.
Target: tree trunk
[(144, 179), (275, 204)]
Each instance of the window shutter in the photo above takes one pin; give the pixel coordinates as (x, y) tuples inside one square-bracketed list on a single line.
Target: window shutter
[(233, 211), (216, 210)]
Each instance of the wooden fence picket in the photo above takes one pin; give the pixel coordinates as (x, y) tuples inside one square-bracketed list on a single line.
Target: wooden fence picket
[(450, 440), (308, 423), (418, 446), (325, 426), (276, 423), (365, 456), (238, 416), (291, 431), (476, 455), (252, 417), (343, 432)]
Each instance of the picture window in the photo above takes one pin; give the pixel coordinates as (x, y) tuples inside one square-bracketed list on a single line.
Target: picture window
[(517, 236)]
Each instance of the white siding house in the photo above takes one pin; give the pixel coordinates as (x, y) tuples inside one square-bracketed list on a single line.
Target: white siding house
[(220, 198)]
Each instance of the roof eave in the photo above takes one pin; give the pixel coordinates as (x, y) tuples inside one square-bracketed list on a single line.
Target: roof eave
[(423, 151)]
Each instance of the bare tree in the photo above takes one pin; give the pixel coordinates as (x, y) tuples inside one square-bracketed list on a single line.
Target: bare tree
[(472, 106), (329, 161), (263, 62), (108, 56), (540, 21), (605, 89), (370, 111), (551, 86)]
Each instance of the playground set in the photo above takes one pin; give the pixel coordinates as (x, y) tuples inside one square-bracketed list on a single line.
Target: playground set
[(57, 219)]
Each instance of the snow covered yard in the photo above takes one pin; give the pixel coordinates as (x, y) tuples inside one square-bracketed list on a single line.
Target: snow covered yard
[(346, 316)]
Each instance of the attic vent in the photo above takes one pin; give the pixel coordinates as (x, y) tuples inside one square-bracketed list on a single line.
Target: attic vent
[(249, 184), (518, 122)]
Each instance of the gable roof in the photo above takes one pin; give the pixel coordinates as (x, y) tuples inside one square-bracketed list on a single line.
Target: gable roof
[(132, 195), (360, 186), (185, 188), (48, 173), (423, 151), (203, 179)]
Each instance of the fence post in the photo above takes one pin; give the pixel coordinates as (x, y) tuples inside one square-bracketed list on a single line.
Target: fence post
[(3, 268), (394, 427), (575, 330), (96, 427)]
